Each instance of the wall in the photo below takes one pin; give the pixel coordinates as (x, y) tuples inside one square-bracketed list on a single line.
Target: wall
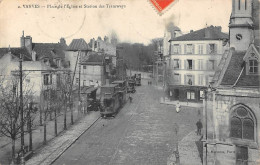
[(219, 114)]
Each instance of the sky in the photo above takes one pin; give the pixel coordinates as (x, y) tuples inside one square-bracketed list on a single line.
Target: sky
[(137, 21)]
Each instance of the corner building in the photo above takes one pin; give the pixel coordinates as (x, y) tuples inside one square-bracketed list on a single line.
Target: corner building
[(194, 58)]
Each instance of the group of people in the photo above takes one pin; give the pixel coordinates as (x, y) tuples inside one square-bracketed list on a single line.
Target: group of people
[(149, 82)]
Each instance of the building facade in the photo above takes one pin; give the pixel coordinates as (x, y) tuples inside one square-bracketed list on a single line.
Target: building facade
[(231, 107), (192, 62)]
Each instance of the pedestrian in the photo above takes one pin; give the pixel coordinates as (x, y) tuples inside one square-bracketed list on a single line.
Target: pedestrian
[(199, 127), (178, 107), (130, 98)]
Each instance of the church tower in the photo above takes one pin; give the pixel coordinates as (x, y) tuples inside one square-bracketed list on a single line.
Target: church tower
[(241, 25)]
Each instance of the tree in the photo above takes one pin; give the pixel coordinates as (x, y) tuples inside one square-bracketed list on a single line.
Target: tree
[(10, 111)]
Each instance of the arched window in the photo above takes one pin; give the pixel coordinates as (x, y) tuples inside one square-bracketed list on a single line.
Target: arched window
[(242, 123)]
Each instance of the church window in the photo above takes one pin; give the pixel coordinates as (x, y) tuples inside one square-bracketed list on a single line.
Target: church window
[(242, 124)]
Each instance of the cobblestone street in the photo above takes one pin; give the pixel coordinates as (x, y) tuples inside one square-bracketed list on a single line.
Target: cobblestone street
[(141, 133)]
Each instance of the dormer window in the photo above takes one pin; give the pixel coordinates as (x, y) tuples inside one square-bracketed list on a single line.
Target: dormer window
[(253, 66), (46, 61), (57, 62)]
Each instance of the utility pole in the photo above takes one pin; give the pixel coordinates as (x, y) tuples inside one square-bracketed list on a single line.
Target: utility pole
[(79, 106), (21, 108)]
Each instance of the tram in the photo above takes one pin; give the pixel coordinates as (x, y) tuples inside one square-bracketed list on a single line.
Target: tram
[(113, 96)]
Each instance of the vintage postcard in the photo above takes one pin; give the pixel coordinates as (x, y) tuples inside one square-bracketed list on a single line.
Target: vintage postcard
[(129, 82)]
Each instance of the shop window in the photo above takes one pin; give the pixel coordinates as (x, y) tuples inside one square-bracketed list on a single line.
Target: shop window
[(190, 95)]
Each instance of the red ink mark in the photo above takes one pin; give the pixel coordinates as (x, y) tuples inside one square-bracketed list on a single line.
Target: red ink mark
[(160, 5)]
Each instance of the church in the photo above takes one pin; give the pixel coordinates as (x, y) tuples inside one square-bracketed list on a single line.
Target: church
[(232, 101)]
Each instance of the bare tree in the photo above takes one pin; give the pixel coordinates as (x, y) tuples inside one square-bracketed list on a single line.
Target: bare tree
[(10, 110)]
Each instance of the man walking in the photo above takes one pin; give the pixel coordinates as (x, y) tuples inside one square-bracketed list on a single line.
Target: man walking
[(199, 126)]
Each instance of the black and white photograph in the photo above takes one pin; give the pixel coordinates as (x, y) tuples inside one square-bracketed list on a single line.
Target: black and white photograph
[(129, 82)]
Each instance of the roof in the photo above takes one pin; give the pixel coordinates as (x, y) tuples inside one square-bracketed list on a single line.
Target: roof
[(209, 33), (235, 75), (110, 85), (16, 52), (118, 81), (93, 58), (88, 89), (50, 50), (78, 44)]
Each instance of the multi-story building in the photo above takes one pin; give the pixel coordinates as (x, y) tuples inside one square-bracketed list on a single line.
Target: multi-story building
[(231, 109), (40, 63), (192, 63)]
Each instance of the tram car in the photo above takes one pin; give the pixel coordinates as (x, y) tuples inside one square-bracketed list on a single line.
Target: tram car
[(110, 103), (122, 89), (131, 86), (138, 79)]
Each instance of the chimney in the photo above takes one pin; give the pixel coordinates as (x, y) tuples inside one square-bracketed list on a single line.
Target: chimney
[(191, 31), (63, 41), (106, 39), (219, 28), (207, 32), (93, 44), (28, 43), (22, 41)]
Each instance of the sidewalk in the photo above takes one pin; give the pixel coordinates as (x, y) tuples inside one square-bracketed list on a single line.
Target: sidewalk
[(54, 148), (187, 104), (188, 151)]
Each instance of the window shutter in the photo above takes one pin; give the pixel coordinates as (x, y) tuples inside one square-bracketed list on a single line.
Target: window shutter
[(208, 48), (193, 64), (179, 78), (193, 48), (185, 64), (216, 49), (207, 80), (202, 49), (193, 80), (185, 49), (50, 79), (172, 49), (180, 49), (180, 64), (185, 78)]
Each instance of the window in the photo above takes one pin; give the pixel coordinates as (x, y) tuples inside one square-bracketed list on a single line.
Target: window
[(47, 79), (241, 155), (189, 48), (201, 79), (57, 62), (239, 4), (176, 77), (242, 124), (189, 64), (200, 63), (200, 49), (46, 61), (210, 79), (253, 66), (212, 48), (176, 49), (201, 93), (84, 82), (84, 67), (176, 64), (189, 80), (190, 95), (58, 79), (245, 4), (77, 80), (211, 65)]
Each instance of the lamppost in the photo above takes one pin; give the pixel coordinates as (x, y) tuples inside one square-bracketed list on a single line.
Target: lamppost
[(176, 152)]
